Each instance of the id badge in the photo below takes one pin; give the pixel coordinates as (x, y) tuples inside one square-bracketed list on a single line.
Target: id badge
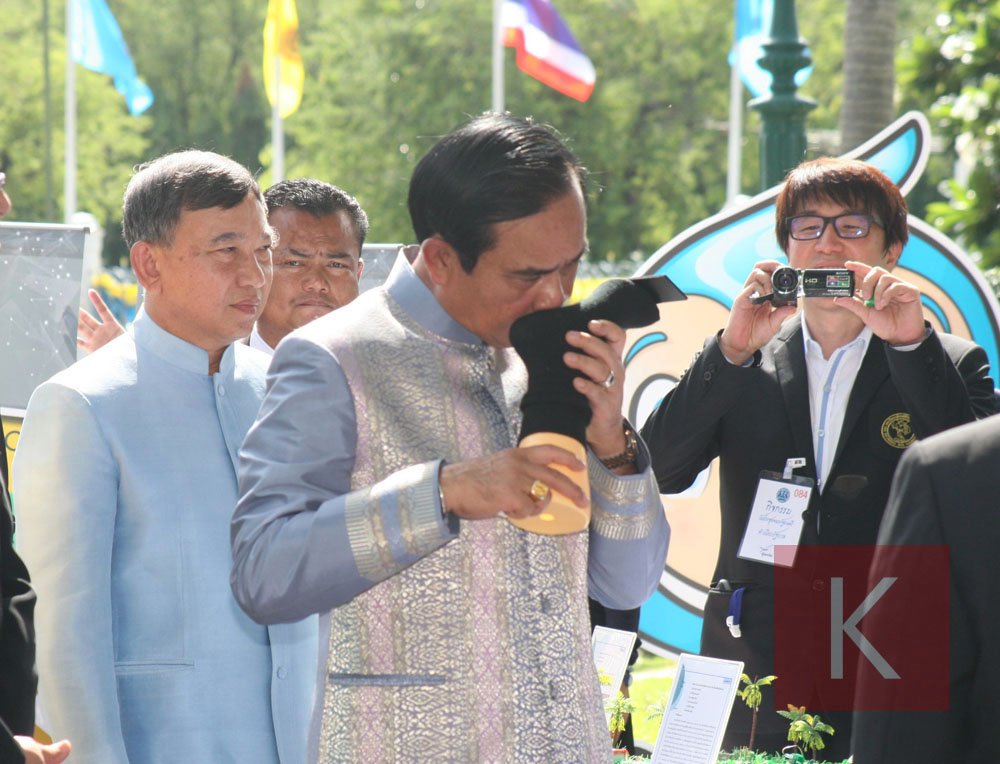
[(776, 516)]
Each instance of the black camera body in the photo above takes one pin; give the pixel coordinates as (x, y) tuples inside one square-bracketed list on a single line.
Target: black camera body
[(789, 284)]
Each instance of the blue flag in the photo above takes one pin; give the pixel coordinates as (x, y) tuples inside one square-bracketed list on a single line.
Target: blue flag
[(97, 43)]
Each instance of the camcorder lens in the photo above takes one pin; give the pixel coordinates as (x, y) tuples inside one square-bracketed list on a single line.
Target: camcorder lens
[(785, 281)]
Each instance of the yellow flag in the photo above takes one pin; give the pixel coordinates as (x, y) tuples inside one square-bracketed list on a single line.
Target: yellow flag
[(281, 55)]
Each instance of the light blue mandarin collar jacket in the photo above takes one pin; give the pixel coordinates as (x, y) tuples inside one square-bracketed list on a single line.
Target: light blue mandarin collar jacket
[(125, 482)]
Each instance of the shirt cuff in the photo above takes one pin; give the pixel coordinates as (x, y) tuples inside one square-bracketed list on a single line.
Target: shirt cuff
[(913, 345)]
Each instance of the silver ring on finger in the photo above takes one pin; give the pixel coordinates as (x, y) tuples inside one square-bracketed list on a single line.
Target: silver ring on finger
[(609, 380)]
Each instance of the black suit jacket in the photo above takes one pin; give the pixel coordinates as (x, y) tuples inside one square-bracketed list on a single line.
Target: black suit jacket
[(946, 493), (17, 635), (754, 418)]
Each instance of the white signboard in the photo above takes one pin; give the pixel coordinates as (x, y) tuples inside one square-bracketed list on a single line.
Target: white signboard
[(612, 649), (697, 711)]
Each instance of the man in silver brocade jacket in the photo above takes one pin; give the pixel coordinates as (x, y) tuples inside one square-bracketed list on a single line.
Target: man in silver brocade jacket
[(374, 481)]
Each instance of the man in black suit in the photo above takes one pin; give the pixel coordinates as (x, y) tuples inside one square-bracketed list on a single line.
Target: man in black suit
[(17, 639), (945, 493), (845, 386)]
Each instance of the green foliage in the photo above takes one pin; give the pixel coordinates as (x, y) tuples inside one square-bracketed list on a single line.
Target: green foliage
[(794, 713), (658, 709), (109, 139), (954, 65), (751, 694), (806, 729), (652, 677), (385, 78), (413, 71), (620, 706)]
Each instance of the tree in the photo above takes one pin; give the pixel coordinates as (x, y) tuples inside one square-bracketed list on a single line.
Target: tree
[(752, 696), (806, 729), (620, 707), (109, 140), (412, 72), (385, 78), (869, 70), (955, 64)]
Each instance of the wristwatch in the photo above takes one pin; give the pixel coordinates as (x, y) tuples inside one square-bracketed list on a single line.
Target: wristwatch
[(628, 456)]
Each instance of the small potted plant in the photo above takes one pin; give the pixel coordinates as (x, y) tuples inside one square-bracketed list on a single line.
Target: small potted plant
[(806, 730), (620, 707)]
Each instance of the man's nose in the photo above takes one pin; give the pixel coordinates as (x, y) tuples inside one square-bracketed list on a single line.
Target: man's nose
[(553, 292), (829, 239), (253, 272), (316, 280)]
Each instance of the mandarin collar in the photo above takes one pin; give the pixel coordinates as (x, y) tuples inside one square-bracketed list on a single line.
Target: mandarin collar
[(169, 347), (413, 295)]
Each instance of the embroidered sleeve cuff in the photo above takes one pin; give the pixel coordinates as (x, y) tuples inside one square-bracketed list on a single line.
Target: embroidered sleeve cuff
[(396, 522), (623, 507)]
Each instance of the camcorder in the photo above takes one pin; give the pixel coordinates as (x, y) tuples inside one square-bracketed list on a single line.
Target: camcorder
[(789, 284)]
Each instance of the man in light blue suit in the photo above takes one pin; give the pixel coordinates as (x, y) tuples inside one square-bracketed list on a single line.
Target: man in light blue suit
[(125, 481)]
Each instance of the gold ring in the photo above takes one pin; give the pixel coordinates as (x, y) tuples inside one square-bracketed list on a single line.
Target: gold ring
[(538, 491)]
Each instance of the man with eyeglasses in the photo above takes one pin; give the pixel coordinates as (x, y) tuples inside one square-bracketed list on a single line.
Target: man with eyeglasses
[(842, 386)]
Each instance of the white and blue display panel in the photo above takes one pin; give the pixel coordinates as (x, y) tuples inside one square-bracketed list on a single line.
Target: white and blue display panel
[(40, 271)]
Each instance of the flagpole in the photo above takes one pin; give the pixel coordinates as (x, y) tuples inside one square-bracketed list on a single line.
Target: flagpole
[(498, 85), (277, 128), (50, 197), (735, 155), (69, 176)]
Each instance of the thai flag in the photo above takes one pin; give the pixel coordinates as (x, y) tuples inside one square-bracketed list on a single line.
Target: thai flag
[(546, 49)]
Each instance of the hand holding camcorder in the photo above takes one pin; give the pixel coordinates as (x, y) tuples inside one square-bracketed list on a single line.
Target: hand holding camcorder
[(789, 284)]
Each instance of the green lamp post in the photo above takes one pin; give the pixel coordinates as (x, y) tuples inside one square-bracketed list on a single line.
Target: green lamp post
[(783, 112)]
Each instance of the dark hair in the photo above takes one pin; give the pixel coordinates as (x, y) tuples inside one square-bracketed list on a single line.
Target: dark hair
[(185, 180), (492, 169), (854, 184), (318, 199)]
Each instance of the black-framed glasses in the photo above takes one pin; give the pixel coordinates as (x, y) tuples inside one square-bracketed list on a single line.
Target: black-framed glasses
[(850, 225)]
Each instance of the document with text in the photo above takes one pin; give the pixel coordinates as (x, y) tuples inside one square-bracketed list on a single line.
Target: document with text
[(697, 710)]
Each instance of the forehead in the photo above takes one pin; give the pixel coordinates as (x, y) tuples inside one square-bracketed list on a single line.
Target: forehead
[(546, 240), (300, 228), (829, 204), (246, 219)]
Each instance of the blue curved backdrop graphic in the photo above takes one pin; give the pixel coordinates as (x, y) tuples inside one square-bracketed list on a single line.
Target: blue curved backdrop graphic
[(711, 260)]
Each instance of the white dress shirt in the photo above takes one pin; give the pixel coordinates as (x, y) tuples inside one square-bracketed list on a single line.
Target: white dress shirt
[(830, 383), (257, 342)]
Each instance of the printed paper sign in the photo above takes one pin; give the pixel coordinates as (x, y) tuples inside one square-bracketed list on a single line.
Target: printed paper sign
[(701, 699)]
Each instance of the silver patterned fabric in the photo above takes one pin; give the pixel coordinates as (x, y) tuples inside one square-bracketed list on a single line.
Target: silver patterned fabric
[(480, 650)]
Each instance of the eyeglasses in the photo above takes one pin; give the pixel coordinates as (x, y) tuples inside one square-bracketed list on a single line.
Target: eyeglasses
[(850, 225)]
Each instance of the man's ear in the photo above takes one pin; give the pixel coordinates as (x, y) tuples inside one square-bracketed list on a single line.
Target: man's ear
[(440, 258), (145, 263), (361, 268), (891, 256)]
